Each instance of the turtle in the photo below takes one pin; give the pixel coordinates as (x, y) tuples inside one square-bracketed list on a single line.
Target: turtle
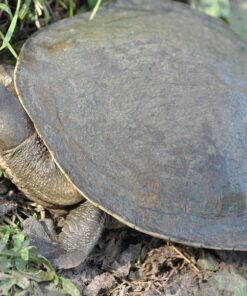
[(139, 115)]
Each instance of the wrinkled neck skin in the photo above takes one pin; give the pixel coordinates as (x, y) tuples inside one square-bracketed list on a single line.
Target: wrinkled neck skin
[(25, 158)]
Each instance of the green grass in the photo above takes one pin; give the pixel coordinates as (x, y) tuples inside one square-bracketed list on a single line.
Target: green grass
[(26, 15)]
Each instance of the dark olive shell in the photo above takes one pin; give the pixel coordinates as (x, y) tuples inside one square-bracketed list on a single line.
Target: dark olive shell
[(145, 110)]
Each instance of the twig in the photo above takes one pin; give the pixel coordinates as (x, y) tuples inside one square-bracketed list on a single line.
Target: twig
[(8, 221), (186, 259)]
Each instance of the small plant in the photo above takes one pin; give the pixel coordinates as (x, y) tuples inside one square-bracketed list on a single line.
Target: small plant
[(23, 271)]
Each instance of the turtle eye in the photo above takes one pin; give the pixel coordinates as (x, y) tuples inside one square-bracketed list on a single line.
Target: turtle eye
[(15, 126)]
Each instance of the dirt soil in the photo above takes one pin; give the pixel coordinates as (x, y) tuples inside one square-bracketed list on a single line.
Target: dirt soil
[(127, 262)]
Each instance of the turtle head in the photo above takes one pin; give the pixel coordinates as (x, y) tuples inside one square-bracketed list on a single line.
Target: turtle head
[(15, 125)]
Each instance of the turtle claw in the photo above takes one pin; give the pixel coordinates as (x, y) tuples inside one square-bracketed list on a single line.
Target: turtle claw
[(70, 259), (42, 235)]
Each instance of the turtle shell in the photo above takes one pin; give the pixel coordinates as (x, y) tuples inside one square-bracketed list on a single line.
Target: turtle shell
[(145, 111)]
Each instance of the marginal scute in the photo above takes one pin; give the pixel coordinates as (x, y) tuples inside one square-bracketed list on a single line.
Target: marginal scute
[(145, 111)]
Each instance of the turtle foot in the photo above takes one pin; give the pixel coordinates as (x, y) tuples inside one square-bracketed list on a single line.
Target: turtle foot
[(82, 229)]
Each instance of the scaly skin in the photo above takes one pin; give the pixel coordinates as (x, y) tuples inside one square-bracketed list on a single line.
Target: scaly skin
[(31, 167)]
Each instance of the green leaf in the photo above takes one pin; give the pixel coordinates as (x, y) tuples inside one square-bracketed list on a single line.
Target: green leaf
[(65, 286), (10, 48), (5, 8), (71, 8), (18, 241), (96, 7), (12, 26), (20, 264), (5, 264), (24, 9), (42, 271), (6, 285), (5, 235), (63, 4), (24, 253)]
